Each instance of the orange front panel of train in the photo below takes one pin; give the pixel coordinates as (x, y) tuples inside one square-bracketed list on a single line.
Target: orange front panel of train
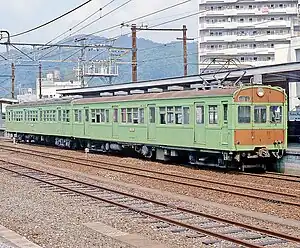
[(269, 96), (260, 137)]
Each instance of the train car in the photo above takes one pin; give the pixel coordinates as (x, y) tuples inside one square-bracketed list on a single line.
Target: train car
[(226, 127)]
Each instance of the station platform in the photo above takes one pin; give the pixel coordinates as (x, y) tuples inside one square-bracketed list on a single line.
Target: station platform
[(10, 239), (293, 149)]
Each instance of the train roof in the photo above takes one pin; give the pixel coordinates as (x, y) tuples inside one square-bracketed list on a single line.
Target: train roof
[(162, 95)]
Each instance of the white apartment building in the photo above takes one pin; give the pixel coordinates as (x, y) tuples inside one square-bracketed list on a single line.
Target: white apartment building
[(244, 30), (51, 83)]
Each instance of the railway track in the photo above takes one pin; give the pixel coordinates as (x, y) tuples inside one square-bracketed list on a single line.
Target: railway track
[(276, 176), (166, 177), (171, 219)]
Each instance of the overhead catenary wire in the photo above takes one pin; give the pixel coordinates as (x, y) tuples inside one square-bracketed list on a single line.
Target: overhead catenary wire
[(138, 18), (84, 20), (51, 21)]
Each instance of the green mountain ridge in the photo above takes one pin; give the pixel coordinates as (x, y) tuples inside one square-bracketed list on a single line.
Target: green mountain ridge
[(155, 61)]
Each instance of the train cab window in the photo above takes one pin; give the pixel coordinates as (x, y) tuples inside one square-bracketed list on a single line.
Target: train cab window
[(213, 114), (244, 114), (275, 114), (162, 114), (152, 115), (200, 114), (260, 114)]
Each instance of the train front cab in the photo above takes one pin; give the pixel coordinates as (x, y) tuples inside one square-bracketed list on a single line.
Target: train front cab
[(260, 133)]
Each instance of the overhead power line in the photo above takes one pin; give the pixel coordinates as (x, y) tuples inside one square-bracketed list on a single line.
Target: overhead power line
[(51, 21), (138, 18)]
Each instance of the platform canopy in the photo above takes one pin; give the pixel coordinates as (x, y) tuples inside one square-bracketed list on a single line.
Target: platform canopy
[(287, 72), (8, 100)]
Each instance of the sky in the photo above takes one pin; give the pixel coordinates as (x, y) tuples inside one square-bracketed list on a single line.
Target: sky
[(21, 15)]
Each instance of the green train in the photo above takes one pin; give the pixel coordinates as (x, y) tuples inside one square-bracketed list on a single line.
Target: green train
[(225, 127)]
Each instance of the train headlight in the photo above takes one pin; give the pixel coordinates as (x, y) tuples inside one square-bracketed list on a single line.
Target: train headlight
[(260, 92)]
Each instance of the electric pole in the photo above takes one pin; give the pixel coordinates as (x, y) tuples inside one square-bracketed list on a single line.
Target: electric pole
[(12, 80), (185, 65), (134, 47), (40, 80), (134, 53)]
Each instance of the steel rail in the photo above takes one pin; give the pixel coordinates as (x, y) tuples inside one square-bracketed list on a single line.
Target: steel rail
[(221, 236), (35, 153), (294, 178)]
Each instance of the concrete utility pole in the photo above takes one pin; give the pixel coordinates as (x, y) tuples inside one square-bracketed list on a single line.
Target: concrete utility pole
[(134, 53), (12, 80), (40, 80), (134, 48)]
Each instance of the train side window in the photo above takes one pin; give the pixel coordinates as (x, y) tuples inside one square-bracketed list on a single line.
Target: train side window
[(152, 115), (260, 114), (135, 115), (170, 115), (141, 115), (200, 114), (115, 115), (186, 115), (162, 114), (178, 115), (244, 114), (213, 114), (275, 114)]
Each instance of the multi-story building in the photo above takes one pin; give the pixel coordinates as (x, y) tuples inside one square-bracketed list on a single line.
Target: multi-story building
[(244, 30)]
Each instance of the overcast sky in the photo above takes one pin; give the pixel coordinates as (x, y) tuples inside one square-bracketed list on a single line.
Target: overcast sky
[(20, 15)]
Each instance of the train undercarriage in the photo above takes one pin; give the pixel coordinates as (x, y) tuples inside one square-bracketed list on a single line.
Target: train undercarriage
[(260, 158)]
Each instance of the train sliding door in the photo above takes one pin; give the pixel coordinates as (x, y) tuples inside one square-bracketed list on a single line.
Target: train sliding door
[(151, 133), (115, 122), (86, 121), (199, 123)]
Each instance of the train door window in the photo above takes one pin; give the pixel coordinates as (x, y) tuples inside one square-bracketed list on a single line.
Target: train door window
[(123, 115), (141, 116), (79, 115), (200, 114), (152, 115), (162, 114), (115, 115), (178, 115), (225, 110), (107, 115), (260, 114), (93, 115), (102, 115), (275, 114), (135, 115), (59, 115), (244, 114), (67, 115), (213, 114), (76, 115), (170, 115), (87, 115), (186, 115)]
